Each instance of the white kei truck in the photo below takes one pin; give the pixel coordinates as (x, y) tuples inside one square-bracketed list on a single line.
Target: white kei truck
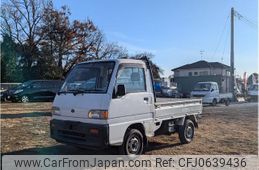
[(112, 103), (210, 93)]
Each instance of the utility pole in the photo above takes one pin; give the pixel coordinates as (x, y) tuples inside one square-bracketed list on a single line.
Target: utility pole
[(232, 72)]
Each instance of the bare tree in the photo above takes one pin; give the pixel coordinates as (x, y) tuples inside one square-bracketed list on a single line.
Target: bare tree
[(20, 20), (105, 50), (68, 42), (156, 70), (71, 43)]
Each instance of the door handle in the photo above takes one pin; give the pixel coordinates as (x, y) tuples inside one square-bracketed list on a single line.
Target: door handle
[(146, 99)]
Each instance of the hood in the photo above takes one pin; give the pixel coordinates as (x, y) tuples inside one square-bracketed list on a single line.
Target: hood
[(79, 105)]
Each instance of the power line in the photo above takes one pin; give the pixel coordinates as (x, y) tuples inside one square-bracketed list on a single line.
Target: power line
[(225, 45), (220, 39), (246, 20)]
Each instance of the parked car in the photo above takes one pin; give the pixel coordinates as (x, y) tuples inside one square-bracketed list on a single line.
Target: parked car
[(4, 89), (252, 94), (170, 92), (3, 95), (34, 90)]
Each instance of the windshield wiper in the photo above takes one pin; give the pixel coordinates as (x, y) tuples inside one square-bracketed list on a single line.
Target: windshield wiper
[(80, 91), (75, 92), (61, 92)]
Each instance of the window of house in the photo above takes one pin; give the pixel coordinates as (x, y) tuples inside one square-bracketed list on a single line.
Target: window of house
[(190, 73), (196, 73), (228, 73), (204, 73), (133, 79)]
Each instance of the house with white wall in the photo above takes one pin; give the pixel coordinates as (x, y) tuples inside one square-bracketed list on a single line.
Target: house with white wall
[(188, 75)]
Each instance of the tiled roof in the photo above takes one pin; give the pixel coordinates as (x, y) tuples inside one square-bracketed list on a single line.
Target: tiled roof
[(203, 64)]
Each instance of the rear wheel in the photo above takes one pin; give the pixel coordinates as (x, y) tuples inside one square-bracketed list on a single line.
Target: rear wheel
[(186, 132), (214, 102), (227, 101), (133, 143), (25, 99)]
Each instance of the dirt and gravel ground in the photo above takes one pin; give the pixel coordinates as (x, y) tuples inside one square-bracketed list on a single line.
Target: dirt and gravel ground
[(222, 130)]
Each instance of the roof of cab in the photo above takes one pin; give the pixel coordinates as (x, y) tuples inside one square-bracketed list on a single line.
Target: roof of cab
[(117, 61)]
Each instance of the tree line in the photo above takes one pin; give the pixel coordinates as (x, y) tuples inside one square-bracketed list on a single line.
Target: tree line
[(42, 42)]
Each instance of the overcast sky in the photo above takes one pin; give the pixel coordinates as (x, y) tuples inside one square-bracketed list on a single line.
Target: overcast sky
[(176, 30)]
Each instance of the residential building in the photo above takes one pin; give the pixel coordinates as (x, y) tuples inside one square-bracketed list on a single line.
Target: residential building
[(188, 75)]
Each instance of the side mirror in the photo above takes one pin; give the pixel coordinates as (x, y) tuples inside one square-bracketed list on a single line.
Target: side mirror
[(121, 91)]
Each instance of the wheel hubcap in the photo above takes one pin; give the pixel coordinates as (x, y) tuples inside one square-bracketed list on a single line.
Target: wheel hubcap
[(25, 99), (189, 132), (133, 145)]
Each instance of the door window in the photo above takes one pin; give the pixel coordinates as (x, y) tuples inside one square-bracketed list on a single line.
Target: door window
[(36, 85), (133, 78), (214, 87)]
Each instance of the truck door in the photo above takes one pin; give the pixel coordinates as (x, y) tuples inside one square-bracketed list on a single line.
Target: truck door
[(215, 91), (138, 101)]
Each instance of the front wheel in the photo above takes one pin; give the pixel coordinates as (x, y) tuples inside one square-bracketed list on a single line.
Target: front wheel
[(25, 99), (186, 132), (133, 143)]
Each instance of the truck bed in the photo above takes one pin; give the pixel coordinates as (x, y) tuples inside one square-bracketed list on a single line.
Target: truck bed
[(168, 108), (225, 95)]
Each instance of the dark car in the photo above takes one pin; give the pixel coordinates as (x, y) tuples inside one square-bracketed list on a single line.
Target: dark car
[(34, 90), (170, 92), (4, 88), (3, 96)]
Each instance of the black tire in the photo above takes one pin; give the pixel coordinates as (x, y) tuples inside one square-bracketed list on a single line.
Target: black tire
[(227, 102), (133, 143), (214, 102), (186, 132)]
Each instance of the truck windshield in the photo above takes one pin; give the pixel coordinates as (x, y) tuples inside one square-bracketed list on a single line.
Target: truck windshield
[(89, 77), (202, 87)]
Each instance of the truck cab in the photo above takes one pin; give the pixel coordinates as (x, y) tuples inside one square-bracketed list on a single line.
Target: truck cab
[(112, 103)]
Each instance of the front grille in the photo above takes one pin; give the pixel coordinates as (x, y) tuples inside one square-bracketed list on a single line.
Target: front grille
[(72, 134), (198, 95)]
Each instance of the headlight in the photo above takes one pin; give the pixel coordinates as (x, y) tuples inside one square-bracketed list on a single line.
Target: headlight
[(55, 110), (98, 114), (18, 91)]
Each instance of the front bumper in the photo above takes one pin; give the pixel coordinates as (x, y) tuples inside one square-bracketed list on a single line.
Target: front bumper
[(13, 97), (78, 133)]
